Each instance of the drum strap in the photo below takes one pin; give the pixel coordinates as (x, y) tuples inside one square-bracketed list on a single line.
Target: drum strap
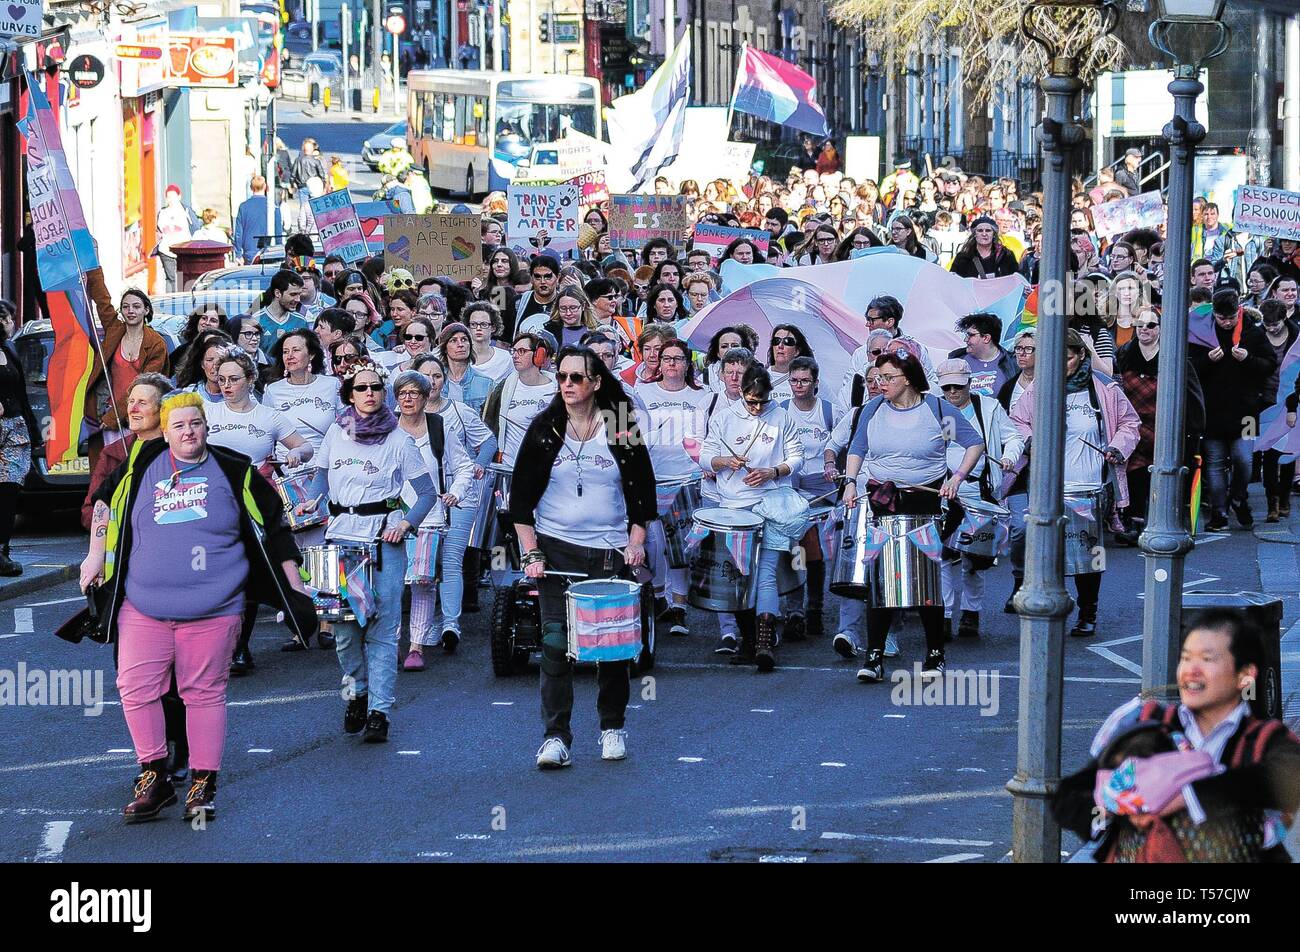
[(437, 443), (381, 508)]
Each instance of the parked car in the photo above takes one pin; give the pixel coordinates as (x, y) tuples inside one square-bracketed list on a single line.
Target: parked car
[(171, 311), (323, 70), (380, 142), (247, 277)]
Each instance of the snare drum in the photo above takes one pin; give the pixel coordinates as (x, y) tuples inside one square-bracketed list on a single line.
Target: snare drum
[(725, 566), (984, 531), (1084, 513), (328, 565), (679, 500), (487, 530), (881, 564), (294, 489), (604, 617), (422, 550)]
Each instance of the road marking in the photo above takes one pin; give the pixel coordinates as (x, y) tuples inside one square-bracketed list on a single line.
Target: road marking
[(437, 855), (761, 710), (408, 753), (119, 750), (921, 840), (503, 703), (624, 843), (283, 699), (72, 762), (690, 760), (971, 770), (700, 666), (898, 717), (778, 858), (473, 836), (1109, 655), (915, 799), (22, 621), (259, 750), (43, 811), (956, 858), (57, 601), (1117, 641), (52, 843), (3, 637), (832, 763)]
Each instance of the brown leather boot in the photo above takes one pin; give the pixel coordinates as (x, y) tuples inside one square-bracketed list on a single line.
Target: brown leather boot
[(745, 622), (202, 796), (1284, 507), (153, 791), (1273, 512), (765, 643)]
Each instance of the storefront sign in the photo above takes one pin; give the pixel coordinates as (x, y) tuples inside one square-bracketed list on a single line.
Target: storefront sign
[(86, 71), (202, 59)]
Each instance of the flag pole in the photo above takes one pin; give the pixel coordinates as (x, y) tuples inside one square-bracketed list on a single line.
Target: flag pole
[(735, 90)]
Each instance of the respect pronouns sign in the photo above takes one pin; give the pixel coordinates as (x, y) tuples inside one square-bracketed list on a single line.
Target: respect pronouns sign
[(1267, 211)]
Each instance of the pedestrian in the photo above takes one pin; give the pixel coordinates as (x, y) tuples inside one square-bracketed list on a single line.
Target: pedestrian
[(990, 365), (421, 195), (279, 311), (199, 372), (142, 545), (309, 176), (339, 180), (485, 327), (210, 229), (983, 255), (584, 507), (902, 438), (20, 439), (176, 222), (250, 223)]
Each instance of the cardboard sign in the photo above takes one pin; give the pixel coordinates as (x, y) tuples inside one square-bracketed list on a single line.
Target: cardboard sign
[(542, 217), (432, 246), (636, 219), (862, 158), (1138, 211), (338, 226), (715, 238), (1267, 211), (592, 189), (21, 17)]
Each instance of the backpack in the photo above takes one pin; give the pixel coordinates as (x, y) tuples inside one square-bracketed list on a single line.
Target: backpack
[(437, 444)]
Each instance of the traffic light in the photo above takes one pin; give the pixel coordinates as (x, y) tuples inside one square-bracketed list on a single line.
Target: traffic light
[(544, 32)]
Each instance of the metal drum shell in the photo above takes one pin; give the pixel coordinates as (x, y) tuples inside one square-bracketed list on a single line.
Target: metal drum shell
[(900, 576), (322, 564), (486, 531), (984, 544), (716, 583), (678, 520)]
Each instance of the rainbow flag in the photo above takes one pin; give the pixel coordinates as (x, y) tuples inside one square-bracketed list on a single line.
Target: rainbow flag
[(1196, 496), (770, 88), (65, 251)]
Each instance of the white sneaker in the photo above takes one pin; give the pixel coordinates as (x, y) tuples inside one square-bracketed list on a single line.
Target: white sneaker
[(891, 646), (553, 755), (844, 645), (613, 744)]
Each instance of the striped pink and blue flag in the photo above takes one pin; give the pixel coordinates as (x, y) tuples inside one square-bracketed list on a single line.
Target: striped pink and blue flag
[(926, 538), (770, 88)]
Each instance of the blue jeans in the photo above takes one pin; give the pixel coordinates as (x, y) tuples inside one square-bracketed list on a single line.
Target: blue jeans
[(368, 656), (1019, 506), (451, 590), (769, 597), (1227, 472)]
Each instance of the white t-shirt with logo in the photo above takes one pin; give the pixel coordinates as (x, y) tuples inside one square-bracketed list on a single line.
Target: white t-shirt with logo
[(524, 404), (583, 503), (1082, 462), (255, 432), (810, 428), (673, 416), (312, 408), (360, 473)]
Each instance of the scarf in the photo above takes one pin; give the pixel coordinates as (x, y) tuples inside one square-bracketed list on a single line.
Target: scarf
[(1077, 382), (368, 430)]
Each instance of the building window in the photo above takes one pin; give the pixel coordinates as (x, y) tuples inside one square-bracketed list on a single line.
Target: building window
[(715, 61)]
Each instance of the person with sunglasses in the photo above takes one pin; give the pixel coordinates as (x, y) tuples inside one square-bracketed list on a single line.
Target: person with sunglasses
[(485, 326), (364, 463), (786, 343), (522, 394), (606, 297), (584, 507), (902, 438), (753, 447), (961, 573)]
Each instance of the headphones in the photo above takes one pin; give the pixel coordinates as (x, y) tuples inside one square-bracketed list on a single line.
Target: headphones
[(541, 354)]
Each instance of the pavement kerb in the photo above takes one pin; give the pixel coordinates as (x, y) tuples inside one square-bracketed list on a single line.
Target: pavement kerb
[(34, 580)]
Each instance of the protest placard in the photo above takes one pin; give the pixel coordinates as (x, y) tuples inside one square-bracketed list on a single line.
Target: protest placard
[(592, 189), (1267, 211), (636, 219), (432, 246), (715, 238), (371, 216), (542, 217), (1138, 211), (337, 225)]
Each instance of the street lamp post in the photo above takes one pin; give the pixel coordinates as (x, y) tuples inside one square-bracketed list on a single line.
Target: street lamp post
[(1182, 34), (1042, 602)]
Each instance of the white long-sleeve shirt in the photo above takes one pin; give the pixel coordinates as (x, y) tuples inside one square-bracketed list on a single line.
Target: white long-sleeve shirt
[(459, 476), (767, 440)]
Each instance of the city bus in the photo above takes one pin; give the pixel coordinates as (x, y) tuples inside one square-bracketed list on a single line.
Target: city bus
[(469, 130)]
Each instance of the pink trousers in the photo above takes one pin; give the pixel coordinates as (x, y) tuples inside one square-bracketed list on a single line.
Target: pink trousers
[(200, 651)]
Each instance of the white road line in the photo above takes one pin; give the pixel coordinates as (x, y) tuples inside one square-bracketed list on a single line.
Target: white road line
[(442, 854), (956, 858), (3, 637), (1117, 641), (52, 843), (1109, 655), (700, 666), (690, 760), (916, 799), (259, 750), (45, 811), (832, 763), (57, 601), (409, 753), (921, 840), (72, 762), (761, 710), (473, 836), (503, 703), (283, 699), (896, 717), (22, 621), (119, 750)]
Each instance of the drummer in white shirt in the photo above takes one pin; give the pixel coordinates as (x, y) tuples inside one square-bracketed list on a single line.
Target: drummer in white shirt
[(752, 447), (1002, 443), (673, 429), (522, 394), (303, 392), (483, 318)]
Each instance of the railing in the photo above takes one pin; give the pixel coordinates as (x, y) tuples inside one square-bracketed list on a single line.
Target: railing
[(1024, 167), (1155, 158)]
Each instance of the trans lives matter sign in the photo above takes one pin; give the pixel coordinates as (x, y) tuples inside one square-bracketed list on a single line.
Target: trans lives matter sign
[(432, 246), (542, 217), (636, 219), (1267, 211)]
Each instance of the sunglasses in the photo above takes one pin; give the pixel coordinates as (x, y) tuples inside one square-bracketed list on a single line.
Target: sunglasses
[(368, 388), (400, 283), (785, 341), (1146, 325), (564, 376), (757, 403), (945, 387), (415, 337)]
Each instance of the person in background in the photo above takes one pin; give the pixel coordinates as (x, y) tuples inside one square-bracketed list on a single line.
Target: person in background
[(176, 222), (339, 180), (250, 223), (990, 365), (1126, 174), (20, 438), (983, 255), (421, 195), (279, 312)]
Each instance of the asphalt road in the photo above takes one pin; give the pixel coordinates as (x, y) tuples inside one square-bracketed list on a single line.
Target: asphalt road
[(724, 764)]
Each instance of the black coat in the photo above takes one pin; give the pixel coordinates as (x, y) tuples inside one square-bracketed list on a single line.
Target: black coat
[(267, 543), (1233, 387), (541, 446)]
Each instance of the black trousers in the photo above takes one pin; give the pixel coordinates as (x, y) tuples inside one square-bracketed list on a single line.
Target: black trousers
[(915, 503), (612, 691)]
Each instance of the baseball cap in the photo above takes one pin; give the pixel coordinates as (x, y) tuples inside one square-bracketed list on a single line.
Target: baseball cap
[(954, 370), (903, 164), (1137, 152)]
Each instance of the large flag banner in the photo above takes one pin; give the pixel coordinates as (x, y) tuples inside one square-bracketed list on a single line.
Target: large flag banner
[(770, 88), (64, 252), (646, 127)]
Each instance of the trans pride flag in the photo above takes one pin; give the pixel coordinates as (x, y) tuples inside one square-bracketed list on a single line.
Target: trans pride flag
[(770, 88)]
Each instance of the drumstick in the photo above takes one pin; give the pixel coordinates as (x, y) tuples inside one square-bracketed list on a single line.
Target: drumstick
[(928, 489), (1091, 446)]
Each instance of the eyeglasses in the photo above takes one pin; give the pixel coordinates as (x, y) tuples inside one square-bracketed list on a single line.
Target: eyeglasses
[(522, 351), (251, 335), (572, 309), (1025, 351), (890, 378), (785, 341), (405, 394), (1147, 325), (970, 334), (564, 376), (368, 388), (801, 381), (861, 243), (612, 296), (415, 337), (400, 284), (222, 381)]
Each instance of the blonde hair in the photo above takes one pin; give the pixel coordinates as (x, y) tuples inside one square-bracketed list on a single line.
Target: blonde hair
[(208, 216), (180, 401)]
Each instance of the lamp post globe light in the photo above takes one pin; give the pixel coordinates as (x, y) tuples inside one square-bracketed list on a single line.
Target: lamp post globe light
[(1043, 602), (1190, 33)]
